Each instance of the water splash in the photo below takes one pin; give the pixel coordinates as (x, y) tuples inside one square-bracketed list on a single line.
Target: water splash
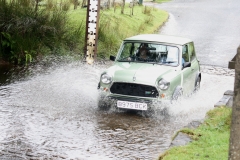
[(53, 114)]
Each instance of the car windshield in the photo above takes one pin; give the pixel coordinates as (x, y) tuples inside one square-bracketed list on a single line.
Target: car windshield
[(149, 53)]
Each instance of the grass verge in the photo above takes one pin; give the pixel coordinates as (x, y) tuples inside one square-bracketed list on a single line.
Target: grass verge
[(28, 33), (210, 140), (161, 1), (114, 26)]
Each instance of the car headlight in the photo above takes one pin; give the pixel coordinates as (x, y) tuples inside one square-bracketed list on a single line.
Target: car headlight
[(163, 84), (106, 79)]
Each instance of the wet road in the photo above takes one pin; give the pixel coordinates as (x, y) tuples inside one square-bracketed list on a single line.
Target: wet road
[(213, 25), (52, 112), (54, 115)]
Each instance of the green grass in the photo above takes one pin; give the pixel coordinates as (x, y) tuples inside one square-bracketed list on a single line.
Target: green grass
[(114, 26), (68, 25), (210, 140), (157, 1), (161, 1), (127, 24)]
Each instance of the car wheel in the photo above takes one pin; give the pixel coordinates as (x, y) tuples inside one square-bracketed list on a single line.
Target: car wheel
[(177, 95), (197, 84), (148, 113), (103, 104)]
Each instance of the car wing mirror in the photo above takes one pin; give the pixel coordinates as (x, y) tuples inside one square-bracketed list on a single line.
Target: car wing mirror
[(112, 58), (187, 64)]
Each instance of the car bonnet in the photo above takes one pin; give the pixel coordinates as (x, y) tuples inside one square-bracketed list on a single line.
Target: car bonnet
[(142, 73)]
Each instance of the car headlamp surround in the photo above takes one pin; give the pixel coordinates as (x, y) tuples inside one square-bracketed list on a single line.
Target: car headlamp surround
[(163, 84), (106, 79)]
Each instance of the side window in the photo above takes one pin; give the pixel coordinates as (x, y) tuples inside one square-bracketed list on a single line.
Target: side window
[(191, 51), (185, 55)]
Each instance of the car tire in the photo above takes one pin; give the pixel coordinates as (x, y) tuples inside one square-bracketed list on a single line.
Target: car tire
[(197, 85), (148, 113), (103, 104), (176, 97)]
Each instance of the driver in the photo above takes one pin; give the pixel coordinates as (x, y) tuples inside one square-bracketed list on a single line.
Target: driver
[(143, 51)]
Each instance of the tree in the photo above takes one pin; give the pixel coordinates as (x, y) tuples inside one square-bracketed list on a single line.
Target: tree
[(234, 146)]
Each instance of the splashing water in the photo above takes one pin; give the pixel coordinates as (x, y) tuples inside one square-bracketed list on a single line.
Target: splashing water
[(53, 114)]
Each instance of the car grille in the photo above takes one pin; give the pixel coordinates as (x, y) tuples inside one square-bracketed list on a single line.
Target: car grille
[(133, 89)]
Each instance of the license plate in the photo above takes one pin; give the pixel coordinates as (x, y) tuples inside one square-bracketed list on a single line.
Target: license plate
[(132, 105)]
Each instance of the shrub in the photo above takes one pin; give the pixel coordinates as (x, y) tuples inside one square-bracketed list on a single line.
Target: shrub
[(25, 31)]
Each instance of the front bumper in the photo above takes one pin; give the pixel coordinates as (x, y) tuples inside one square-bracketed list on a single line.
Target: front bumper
[(132, 98), (130, 92), (152, 103)]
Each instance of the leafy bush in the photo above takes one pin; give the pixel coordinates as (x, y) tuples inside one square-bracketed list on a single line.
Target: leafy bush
[(26, 32), (30, 31)]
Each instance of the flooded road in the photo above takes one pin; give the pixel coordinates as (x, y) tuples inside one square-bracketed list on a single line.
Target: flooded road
[(53, 114)]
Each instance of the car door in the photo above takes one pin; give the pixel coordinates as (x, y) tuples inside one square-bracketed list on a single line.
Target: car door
[(188, 73), (194, 63)]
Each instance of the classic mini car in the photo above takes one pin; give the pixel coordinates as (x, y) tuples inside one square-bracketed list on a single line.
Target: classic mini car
[(148, 69)]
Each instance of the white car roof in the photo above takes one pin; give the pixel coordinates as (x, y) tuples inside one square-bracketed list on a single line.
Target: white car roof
[(159, 38)]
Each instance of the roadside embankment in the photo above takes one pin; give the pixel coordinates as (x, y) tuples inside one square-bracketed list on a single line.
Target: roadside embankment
[(202, 140)]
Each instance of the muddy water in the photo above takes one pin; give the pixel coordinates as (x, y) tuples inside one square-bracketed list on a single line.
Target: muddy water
[(53, 114)]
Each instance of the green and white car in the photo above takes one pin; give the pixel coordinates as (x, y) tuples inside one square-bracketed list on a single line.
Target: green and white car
[(170, 70)]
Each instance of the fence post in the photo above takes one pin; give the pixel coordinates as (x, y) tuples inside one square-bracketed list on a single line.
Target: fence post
[(234, 145)]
